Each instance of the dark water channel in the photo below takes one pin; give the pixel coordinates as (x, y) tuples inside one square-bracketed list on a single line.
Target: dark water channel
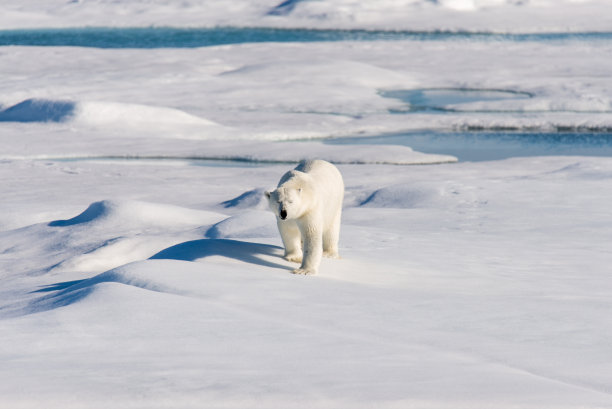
[(171, 37)]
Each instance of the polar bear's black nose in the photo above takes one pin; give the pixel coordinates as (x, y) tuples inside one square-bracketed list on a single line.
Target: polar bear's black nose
[(283, 214)]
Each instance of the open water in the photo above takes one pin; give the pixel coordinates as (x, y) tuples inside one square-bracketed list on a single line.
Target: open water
[(168, 37)]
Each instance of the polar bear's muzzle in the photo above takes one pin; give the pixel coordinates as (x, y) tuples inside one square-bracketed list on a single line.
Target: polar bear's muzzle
[(283, 214)]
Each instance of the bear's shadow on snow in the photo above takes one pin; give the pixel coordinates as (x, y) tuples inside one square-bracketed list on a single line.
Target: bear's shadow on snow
[(244, 251)]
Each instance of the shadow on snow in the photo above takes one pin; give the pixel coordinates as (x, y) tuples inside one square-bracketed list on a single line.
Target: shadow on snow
[(70, 292), (244, 251), (39, 110)]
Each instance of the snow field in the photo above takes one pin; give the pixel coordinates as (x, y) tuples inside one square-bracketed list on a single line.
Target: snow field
[(307, 91), (450, 291), (132, 278), (466, 15)]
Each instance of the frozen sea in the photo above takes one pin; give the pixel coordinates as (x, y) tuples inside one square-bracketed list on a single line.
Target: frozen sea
[(140, 268)]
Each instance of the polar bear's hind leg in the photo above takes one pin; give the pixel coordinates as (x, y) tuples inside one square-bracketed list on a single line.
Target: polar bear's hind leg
[(331, 237)]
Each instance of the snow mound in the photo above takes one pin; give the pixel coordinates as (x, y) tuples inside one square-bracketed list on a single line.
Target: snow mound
[(95, 211), (251, 199), (116, 252), (144, 214), (112, 233), (115, 113), (112, 287), (39, 110), (334, 72), (403, 196), (252, 223), (171, 271), (108, 114)]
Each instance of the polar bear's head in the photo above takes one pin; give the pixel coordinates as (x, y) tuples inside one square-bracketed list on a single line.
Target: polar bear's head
[(286, 202)]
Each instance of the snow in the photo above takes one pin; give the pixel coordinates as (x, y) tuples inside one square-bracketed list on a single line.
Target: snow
[(465, 15), (461, 285), (306, 91), (140, 267)]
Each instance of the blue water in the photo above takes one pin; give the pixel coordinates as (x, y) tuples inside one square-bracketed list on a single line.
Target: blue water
[(481, 146), (442, 99), (167, 37)]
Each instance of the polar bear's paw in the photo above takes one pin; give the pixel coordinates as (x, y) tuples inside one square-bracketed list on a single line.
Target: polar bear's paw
[(303, 271), (331, 254), (295, 257)]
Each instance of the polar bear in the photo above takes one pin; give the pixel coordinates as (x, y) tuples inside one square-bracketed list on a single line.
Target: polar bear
[(308, 205)]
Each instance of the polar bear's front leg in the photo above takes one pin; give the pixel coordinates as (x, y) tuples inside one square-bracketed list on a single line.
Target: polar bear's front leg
[(313, 249), (292, 239)]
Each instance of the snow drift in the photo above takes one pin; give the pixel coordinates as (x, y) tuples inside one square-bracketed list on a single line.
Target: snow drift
[(39, 110), (446, 269), (107, 114), (124, 214)]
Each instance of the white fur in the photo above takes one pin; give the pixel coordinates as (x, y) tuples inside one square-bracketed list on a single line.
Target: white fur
[(308, 206)]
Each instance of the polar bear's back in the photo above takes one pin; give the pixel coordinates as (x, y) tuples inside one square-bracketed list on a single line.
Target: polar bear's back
[(322, 171), (327, 180), (310, 166)]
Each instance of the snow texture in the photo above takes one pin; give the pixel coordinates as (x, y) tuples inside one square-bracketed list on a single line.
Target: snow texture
[(466, 15), (463, 285)]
